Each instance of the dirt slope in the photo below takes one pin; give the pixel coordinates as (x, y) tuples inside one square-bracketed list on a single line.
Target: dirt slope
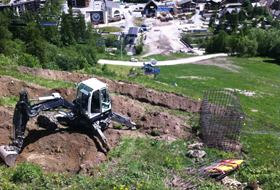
[(76, 148), (133, 90)]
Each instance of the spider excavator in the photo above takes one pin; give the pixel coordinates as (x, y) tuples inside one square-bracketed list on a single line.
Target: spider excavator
[(92, 108)]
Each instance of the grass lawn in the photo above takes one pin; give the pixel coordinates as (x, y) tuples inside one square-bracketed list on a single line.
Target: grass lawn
[(257, 75), (110, 29)]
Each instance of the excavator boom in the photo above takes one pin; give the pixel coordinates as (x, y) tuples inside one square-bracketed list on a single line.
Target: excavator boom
[(23, 111)]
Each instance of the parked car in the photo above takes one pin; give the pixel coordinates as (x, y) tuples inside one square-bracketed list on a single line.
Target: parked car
[(122, 26), (133, 60)]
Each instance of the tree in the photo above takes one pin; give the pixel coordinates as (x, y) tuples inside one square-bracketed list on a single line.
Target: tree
[(269, 19), (247, 47), (80, 27), (217, 43), (213, 17), (34, 42), (110, 41), (275, 51), (221, 25), (5, 36), (187, 37), (245, 29), (66, 31), (139, 49)]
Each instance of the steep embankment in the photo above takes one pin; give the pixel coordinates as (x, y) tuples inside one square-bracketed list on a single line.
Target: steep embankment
[(76, 148), (133, 90)]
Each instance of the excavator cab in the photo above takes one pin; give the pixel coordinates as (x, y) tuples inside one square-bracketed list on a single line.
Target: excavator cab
[(93, 98)]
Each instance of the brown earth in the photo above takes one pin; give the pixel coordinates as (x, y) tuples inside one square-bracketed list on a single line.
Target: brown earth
[(75, 149), (133, 90)]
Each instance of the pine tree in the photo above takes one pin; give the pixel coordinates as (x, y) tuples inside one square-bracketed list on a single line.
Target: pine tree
[(66, 31)]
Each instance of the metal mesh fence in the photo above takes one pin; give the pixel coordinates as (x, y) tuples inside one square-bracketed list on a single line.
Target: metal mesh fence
[(221, 119)]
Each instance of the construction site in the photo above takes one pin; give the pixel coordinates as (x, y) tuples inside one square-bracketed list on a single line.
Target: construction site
[(67, 149)]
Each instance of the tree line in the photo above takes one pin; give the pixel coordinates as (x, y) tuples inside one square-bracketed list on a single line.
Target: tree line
[(249, 40), (71, 46)]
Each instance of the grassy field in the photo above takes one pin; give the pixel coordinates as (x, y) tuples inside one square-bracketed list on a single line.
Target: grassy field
[(144, 163), (259, 76), (110, 29)]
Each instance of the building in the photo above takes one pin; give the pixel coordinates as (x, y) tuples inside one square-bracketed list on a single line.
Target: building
[(131, 35), (211, 5), (20, 6), (150, 8), (78, 3), (187, 6), (230, 11)]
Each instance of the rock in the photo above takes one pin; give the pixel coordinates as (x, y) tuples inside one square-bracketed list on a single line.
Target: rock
[(196, 145), (231, 182), (196, 153), (86, 166)]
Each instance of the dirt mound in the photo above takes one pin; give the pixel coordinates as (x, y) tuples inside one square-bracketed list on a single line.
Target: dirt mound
[(133, 90), (76, 149)]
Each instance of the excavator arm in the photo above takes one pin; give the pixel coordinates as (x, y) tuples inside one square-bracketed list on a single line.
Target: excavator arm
[(23, 111)]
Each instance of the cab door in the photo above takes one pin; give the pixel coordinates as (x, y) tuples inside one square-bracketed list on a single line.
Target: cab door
[(105, 100)]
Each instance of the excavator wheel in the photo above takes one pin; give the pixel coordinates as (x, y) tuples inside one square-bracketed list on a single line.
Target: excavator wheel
[(47, 121)]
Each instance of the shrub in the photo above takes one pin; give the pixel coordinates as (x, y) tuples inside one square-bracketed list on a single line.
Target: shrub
[(26, 173), (29, 61), (139, 49)]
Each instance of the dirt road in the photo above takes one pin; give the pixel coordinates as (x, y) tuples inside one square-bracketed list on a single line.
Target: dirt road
[(162, 63)]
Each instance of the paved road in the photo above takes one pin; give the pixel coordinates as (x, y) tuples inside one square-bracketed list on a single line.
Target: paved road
[(161, 63)]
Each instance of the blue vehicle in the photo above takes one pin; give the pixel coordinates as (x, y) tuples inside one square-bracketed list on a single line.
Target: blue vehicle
[(143, 28), (151, 68), (122, 26)]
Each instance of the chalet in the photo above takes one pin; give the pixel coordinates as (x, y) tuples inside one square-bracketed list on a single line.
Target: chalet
[(211, 5), (230, 11), (275, 5), (150, 8), (187, 5)]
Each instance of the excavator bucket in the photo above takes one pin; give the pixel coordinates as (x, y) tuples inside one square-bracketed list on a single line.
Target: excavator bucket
[(9, 156)]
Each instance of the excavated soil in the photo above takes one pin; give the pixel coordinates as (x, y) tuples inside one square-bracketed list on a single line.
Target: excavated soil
[(133, 90), (76, 149)]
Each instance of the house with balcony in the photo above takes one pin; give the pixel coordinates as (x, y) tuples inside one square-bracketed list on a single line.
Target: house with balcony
[(187, 6)]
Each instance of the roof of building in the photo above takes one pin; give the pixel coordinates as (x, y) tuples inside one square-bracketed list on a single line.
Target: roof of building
[(229, 10), (233, 4), (112, 4), (256, 4), (150, 2), (183, 2), (133, 30)]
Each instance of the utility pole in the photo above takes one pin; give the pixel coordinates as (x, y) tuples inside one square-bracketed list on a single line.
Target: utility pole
[(116, 43)]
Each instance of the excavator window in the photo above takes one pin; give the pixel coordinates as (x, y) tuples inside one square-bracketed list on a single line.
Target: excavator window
[(95, 103), (79, 93), (84, 102), (105, 98)]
